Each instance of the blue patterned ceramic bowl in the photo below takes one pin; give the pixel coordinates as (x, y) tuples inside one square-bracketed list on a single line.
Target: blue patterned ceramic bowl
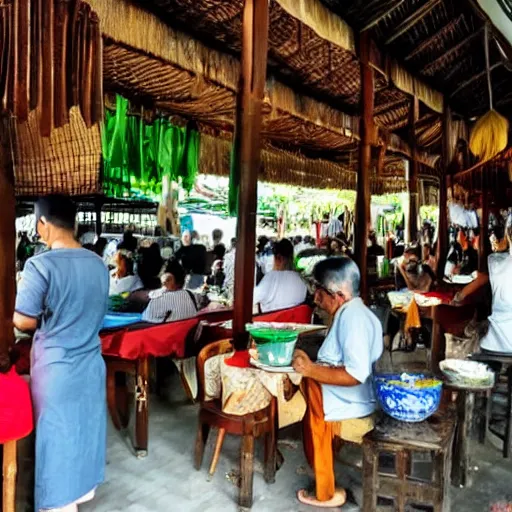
[(404, 403)]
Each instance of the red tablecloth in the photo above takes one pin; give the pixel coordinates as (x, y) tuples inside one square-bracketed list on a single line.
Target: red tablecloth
[(159, 340), (297, 315), (170, 339), (16, 420), (444, 296)]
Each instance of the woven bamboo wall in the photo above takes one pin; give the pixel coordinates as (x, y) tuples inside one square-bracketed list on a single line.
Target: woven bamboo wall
[(66, 162)]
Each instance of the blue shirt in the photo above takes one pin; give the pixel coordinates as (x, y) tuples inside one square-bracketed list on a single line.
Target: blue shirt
[(68, 290), (355, 342)]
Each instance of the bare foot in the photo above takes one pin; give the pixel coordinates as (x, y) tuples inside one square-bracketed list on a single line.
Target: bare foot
[(338, 500)]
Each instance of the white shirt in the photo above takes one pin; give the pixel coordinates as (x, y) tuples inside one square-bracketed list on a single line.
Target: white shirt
[(499, 336), (334, 227), (280, 289), (126, 284), (169, 306), (355, 342)]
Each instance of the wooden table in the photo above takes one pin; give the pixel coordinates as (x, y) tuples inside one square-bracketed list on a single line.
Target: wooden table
[(446, 318), (461, 464)]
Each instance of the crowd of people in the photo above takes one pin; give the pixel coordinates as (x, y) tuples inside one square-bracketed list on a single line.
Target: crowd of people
[(67, 316)]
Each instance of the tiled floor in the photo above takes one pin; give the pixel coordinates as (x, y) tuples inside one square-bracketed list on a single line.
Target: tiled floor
[(166, 481)]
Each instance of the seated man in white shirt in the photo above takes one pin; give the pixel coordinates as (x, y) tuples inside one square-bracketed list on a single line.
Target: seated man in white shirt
[(338, 388), (282, 287), (171, 302), (123, 278)]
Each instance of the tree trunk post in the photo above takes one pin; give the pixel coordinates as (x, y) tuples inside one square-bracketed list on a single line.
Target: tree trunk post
[(248, 133), (411, 232), (442, 225), (367, 132)]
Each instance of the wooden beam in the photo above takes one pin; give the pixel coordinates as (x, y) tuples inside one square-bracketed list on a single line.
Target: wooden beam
[(469, 81), (411, 20), (442, 225), (248, 132), (483, 241), (367, 130), (431, 65), (411, 233), (379, 17), (432, 39)]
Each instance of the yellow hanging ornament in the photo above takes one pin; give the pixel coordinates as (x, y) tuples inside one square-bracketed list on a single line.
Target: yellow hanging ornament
[(489, 136), (490, 133)]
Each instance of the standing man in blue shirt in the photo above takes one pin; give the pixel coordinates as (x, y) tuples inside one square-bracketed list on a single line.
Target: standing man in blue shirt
[(338, 387)]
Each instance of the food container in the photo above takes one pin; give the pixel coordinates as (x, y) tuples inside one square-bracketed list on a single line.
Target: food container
[(467, 373), (408, 397), (275, 342)]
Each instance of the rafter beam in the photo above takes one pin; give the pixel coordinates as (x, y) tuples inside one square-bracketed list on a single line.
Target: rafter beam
[(432, 39), (431, 65), (469, 81), (411, 20), (379, 17)]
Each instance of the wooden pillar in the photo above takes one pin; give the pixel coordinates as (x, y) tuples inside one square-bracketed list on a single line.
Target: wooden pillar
[(411, 232), (367, 130), (483, 241), (248, 143), (442, 226), (8, 265)]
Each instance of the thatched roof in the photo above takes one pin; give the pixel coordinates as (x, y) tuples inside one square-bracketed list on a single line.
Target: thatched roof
[(180, 58), (441, 42), (176, 73)]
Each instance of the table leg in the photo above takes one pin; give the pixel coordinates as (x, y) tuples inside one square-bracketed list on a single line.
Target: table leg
[(141, 407), (9, 476), (461, 456), (485, 420), (370, 477)]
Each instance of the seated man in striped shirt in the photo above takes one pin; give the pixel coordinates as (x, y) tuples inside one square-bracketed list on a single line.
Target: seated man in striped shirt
[(171, 302)]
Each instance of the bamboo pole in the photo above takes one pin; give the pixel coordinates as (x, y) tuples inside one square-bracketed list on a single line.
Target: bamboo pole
[(483, 241), (442, 226), (367, 130), (248, 131), (411, 233)]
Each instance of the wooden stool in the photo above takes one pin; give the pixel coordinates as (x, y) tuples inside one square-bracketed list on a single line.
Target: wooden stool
[(500, 361), (434, 436), (461, 467), (9, 477)]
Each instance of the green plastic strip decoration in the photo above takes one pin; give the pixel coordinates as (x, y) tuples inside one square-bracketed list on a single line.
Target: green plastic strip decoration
[(234, 178), (137, 155)]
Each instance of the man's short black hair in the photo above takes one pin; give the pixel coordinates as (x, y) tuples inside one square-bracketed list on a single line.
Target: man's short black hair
[(283, 248), (58, 210), (174, 267)]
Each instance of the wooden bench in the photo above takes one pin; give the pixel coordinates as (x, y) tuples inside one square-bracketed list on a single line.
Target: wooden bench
[(401, 440)]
